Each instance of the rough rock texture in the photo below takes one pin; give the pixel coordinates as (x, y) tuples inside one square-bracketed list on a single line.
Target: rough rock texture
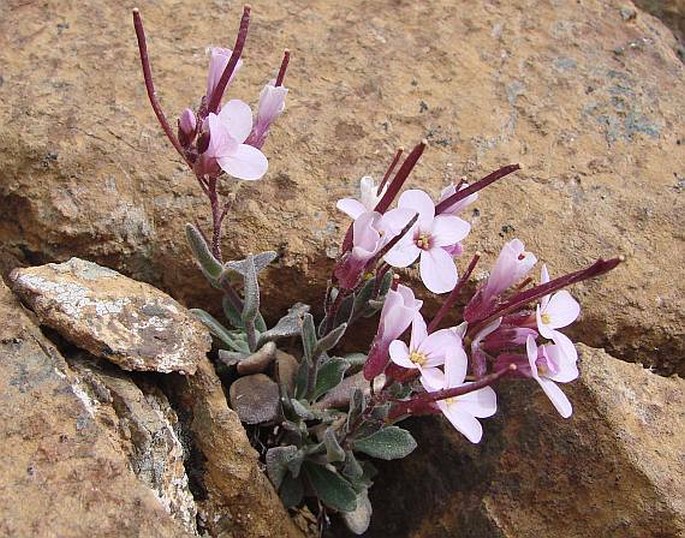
[(237, 498), (672, 12), (588, 100), (613, 470), (126, 322), (60, 474), (138, 417)]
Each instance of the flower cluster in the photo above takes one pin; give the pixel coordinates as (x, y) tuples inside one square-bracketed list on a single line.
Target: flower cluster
[(218, 137), (321, 412), (508, 329)]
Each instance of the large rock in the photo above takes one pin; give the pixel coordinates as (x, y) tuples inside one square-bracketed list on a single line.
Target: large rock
[(237, 499), (60, 472), (587, 99), (126, 322), (613, 470)]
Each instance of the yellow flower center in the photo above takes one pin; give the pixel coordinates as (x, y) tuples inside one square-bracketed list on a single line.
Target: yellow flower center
[(423, 241), (546, 318), (418, 358)]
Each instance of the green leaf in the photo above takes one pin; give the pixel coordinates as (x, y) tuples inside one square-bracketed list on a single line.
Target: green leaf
[(251, 301), (233, 316), (334, 452), (301, 379), (279, 460), (308, 337), (345, 309), (352, 469), (387, 444), (356, 407), (288, 325), (356, 360), (260, 261), (358, 520), (211, 267), (385, 284), (331, 488), (291, 491), (218, 330), (302, 410), (329, 341), (329, 376)]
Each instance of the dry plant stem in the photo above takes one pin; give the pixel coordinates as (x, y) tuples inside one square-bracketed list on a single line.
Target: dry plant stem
[(392, 166), (452, 297), (215, 98), (478, 185), (284, 67), (150, 87), (251, 332)]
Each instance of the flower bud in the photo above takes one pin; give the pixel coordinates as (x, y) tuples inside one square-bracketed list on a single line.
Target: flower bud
[(187, 126)]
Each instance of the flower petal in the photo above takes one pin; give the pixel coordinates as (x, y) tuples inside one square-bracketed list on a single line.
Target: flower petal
[(419, 201), (438, 272), (419, 331), (556, 396), (466, 424), (448, 230), (351, 207), (432, 379), (245, 162), (566, 346), (404, 253), (236, 115), (563, 309), (399, 354), (567, 370), (480, 403), (456, 363)]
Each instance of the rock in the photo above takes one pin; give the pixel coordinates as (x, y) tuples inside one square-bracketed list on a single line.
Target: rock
[(286, 370), (613, 470), (140, 419), (255, 398), (238, 498), (61, 474), (598, 134), (126, 322)]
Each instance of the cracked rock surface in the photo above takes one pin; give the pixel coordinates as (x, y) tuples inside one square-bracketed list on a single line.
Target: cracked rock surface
[(60, 473), (129, 323)]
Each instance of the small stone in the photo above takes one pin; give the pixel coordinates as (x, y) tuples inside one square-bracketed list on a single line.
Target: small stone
[(255, 398), (628, 13), (129, 323), (286, 370)]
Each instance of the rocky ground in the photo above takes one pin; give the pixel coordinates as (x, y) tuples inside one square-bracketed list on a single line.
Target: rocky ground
[(587, 96)]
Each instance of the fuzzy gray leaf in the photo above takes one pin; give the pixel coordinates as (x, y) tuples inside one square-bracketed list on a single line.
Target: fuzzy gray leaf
[(387, 444), (260, 262), (211, 267), (331, 488)]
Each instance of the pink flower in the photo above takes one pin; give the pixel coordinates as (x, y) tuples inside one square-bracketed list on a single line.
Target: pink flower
[(187, 127), (425, 350), (398, 311), (427, 239), (512, 264), (548, 364), (555, 312), (218, 60), (228, 130), (371, 231), (368, 200), (271, 105), (462, 411)]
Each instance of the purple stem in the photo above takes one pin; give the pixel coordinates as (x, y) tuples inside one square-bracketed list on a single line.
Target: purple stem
[(215, 98), (598, 268), (392, 166), (478, 185), (150, 86), (284, 67)]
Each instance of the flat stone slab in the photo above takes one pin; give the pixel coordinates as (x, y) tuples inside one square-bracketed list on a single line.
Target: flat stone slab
[(129, 323)]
